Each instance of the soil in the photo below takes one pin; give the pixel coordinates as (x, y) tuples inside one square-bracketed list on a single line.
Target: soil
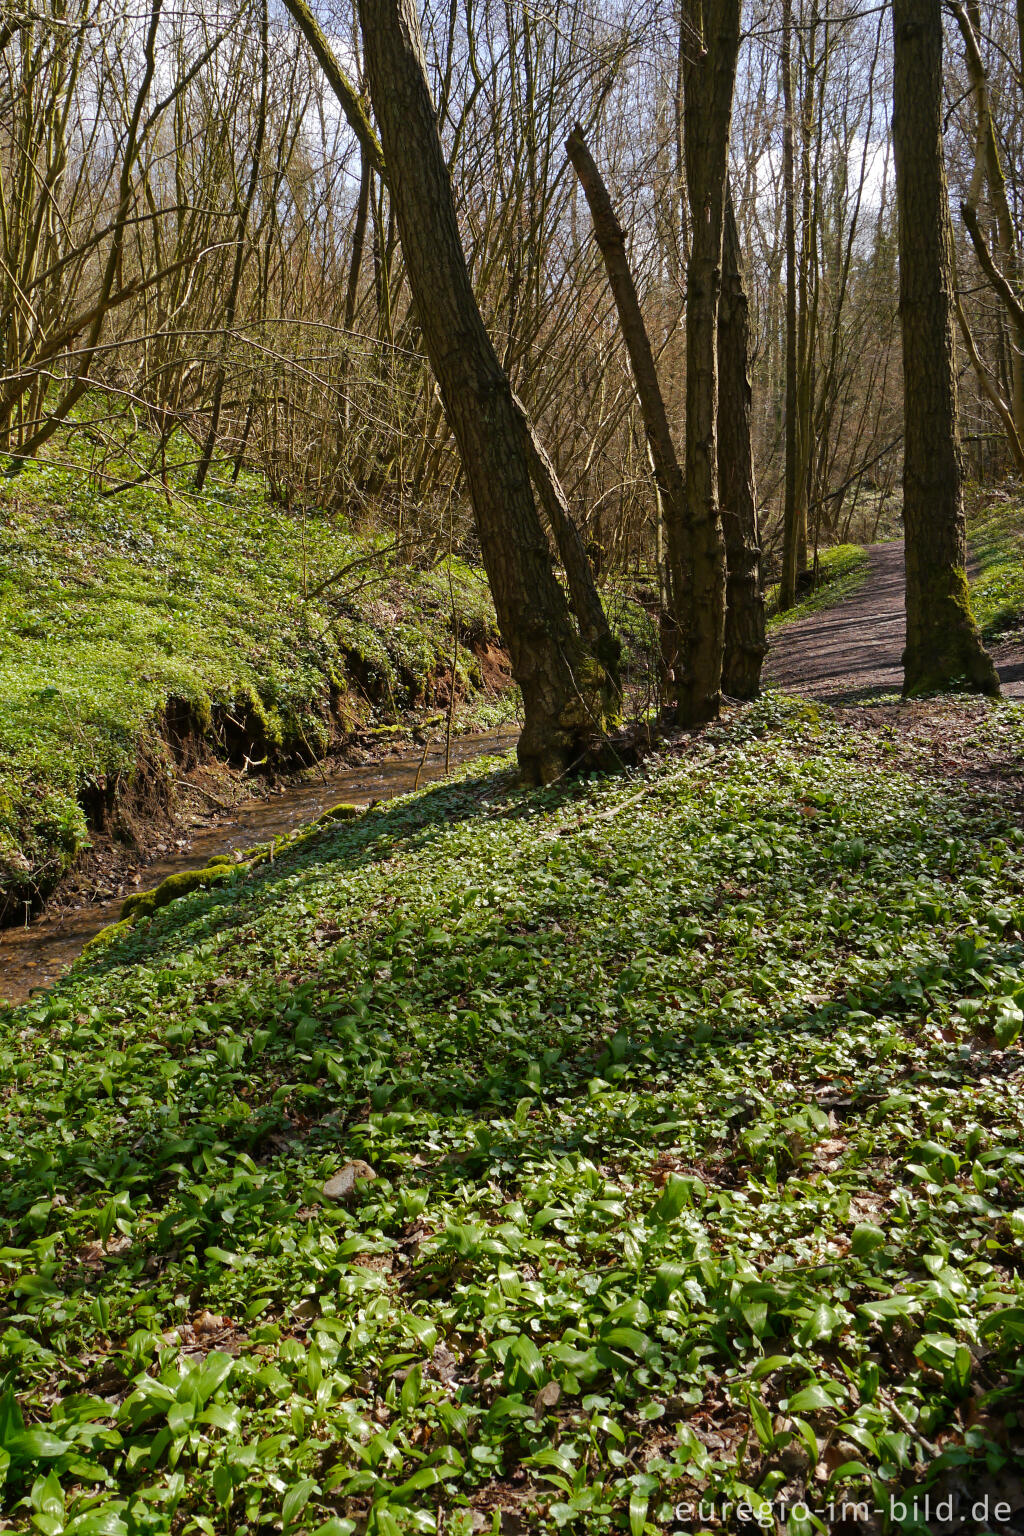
[(853, 651), (35, 956)]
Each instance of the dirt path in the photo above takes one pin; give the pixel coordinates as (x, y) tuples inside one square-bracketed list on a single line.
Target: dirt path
[(853, 651)]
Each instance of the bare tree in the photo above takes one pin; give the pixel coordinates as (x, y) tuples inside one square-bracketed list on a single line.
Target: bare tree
[(566, 690), (943, 645), (745, 645), (709, 76)]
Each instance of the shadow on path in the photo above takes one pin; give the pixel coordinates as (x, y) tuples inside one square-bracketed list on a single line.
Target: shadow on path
[(852, 652)]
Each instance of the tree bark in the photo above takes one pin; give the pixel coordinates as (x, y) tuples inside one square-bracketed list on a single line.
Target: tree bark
[(790, 509), (708, 90), (566, 691), (745, 646), (988, 171), (668, 473), (943, 647), (583, 593)]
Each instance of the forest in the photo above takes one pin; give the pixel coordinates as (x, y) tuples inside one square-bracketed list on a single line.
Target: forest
[(511, 767)]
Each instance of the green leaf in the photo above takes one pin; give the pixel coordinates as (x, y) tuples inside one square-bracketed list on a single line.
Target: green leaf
[(99, 1522), (638, 1505), (890, 1306), (222, 1256), (627, 1338), (425, 1477), (769, 1365), (556, 1456), (215, 1370), (810, 1400), (296, 1499), (36, 1445), (675, 1197), (525, 1352), (222, 1416), (866, 1238), (1008, 1321)]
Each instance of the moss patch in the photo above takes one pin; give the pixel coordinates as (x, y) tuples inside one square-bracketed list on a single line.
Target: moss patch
[(145, 903), (142, 629)]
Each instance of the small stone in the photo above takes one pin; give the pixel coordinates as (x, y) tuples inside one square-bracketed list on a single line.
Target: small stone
[(205, 1323), (341, 1186), (548, 1397), (795, 1460)]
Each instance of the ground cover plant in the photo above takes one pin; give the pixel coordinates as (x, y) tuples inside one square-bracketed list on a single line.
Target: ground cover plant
[(127, 620), (996, 541), (671, 1123)]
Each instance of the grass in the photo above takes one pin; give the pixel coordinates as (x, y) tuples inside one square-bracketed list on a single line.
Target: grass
[(112, 607), (841, 572), (996, 538), (698, 1166)]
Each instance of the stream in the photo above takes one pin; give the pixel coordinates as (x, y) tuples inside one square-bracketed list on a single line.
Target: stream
[(32, 958)]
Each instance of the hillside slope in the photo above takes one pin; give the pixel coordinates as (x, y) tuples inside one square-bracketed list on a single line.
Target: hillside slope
[(691, 1169), (141, 632)]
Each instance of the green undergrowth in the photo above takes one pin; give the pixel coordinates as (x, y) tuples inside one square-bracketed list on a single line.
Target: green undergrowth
[(693, 1097), (842, 571), (996, 540), (131, 623)]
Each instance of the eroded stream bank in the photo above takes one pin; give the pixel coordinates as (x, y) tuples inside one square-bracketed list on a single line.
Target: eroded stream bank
[(34, 957)]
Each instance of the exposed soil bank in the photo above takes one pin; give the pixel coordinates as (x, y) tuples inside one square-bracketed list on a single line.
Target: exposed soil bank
[(35, 956)]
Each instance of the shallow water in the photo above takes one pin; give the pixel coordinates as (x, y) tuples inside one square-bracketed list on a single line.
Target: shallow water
[(33, 958)]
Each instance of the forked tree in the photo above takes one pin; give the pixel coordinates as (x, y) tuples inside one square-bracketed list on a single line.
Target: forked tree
[(944, 647), (689, 495), (568, 692)]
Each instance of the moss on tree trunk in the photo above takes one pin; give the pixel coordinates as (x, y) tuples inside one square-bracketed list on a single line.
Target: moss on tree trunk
[(944, 648)]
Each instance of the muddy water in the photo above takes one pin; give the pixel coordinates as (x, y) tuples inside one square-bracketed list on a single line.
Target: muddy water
[(33, 958)]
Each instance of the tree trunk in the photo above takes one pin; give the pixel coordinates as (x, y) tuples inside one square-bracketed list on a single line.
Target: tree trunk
[(988, 171), (668, 474), (708, 92), (566, 691), (745, 647), (790, 509), (583, 593), (943, 648)]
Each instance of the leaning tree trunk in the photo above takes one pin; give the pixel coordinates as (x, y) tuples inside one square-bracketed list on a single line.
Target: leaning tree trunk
[(579, 576), (566, 691), (668, 474), (943, 648), (709, 80), (745, 646)]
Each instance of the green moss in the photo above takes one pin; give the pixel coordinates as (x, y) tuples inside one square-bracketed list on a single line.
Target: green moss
[(173, 888), (108, 936), (343, 812), (124, 619)]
